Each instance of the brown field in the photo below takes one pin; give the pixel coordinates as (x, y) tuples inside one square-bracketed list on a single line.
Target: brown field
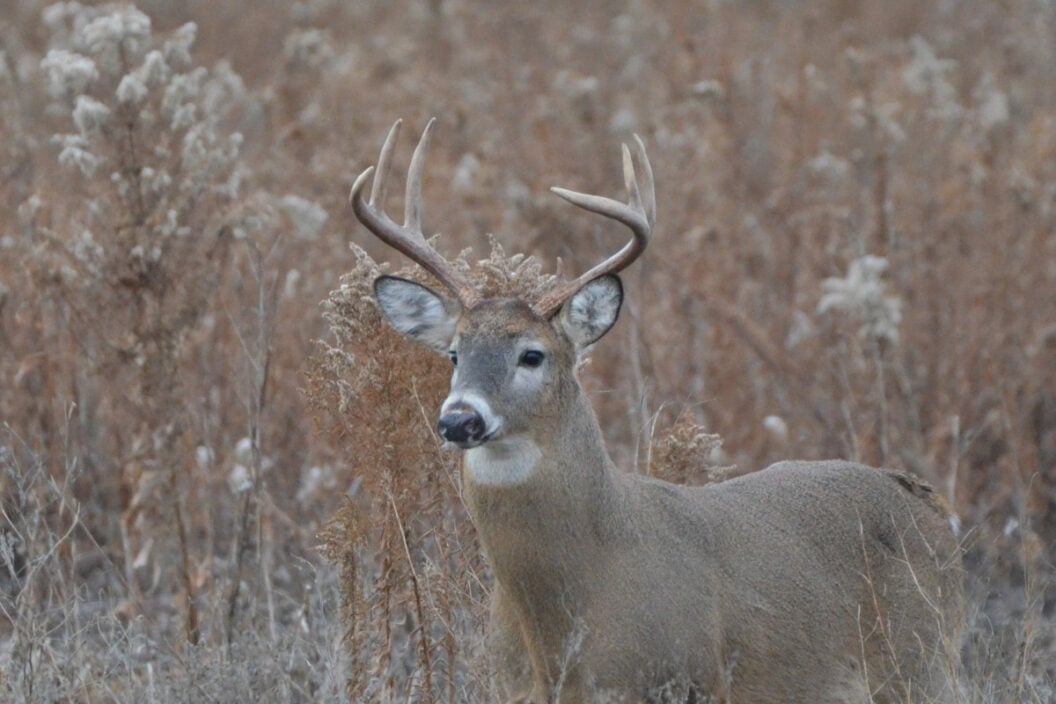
[(218, 476)]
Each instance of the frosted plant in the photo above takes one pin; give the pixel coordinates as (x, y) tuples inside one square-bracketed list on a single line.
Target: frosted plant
[(574, 86), (708, 89), (90, 115), (239, 479), (315, 479), (864, 115), (829, 166), (182, 89), (75, 154), (131, 89), (307, 217), (926, 75), (861, 293), (112, 36), (307, 49), (137, 251), (580, 91), (223, 88), (59, 16), (926, 72), (624, 122), (28, 209), (146, 119), (777, 427), (255, 217), (177, 50), (466, 173), (204, 457), (992, 109), (290, 285), (68, 73), (85, 247)]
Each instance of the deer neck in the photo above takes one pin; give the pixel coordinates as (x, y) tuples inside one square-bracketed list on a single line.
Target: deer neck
[(544, 503)]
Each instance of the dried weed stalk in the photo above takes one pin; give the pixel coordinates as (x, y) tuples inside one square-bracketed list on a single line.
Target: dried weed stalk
[(685, 454), (411, 568)]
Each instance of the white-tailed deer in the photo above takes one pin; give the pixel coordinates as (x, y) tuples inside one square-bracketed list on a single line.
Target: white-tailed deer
[(806, 582)]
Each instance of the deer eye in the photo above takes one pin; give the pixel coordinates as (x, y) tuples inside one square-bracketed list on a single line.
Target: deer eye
[(453, 357), (532, 358)]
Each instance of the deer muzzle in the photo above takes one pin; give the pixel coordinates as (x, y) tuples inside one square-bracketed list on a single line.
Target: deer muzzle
[(462, 426)]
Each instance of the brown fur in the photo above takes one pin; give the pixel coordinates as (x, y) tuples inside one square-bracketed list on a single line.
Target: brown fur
[(805, 582)]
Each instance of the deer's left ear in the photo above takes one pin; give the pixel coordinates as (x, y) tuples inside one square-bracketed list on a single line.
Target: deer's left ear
[(592, 310)]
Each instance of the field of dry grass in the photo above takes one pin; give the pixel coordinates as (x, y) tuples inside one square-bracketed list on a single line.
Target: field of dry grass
[(218, 479)]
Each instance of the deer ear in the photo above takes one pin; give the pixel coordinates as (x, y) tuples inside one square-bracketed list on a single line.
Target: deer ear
[(417, 311), (592, 310)]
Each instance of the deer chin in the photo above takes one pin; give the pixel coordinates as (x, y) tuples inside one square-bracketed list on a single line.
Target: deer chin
[(467, 444), (504, 461)]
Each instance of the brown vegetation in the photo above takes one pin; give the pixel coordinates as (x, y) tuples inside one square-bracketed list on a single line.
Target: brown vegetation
[(180, 418)]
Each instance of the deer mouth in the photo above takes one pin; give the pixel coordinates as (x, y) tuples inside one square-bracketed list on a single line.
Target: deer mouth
[(469, 444)]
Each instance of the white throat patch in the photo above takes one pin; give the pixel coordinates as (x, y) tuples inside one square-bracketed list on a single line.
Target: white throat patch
[(503, 462)]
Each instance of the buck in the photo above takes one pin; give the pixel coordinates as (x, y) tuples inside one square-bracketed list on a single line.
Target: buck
[(817, 582)]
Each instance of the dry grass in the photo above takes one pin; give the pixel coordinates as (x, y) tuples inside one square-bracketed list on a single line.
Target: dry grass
[(163, 355)]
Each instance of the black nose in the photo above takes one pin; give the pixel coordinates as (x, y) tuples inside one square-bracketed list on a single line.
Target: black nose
[(461, 426)]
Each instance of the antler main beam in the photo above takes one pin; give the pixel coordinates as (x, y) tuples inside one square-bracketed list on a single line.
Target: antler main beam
[(639, 214), (407, 238)]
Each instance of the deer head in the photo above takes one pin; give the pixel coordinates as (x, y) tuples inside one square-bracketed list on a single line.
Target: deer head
[(512, 361)]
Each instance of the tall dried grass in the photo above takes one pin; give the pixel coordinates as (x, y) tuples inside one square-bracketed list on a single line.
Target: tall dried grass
[(163, 357)]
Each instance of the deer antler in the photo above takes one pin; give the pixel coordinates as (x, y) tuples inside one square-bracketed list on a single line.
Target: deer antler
[(638, 213), (408, 238)]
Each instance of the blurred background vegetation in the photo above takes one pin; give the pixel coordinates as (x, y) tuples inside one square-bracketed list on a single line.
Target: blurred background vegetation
[(216, 488)]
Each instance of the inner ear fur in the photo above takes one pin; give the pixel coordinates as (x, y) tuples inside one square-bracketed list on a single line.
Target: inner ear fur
[(592, 310), (417, 311)]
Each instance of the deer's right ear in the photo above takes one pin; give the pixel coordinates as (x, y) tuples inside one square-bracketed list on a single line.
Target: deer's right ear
[(417, 311)]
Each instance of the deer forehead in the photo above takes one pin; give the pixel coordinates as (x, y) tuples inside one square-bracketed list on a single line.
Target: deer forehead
[(505, 321)]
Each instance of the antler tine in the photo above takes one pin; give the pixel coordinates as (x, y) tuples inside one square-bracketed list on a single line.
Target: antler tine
[(412, 203), (381, 183), (407, 238), (647, 174), (639, 214)]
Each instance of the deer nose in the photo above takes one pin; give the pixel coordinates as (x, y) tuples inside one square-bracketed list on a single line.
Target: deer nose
[(461, 426)]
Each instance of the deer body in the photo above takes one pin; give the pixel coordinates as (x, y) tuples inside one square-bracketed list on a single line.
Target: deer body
[(818, 582), (718, 591)]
